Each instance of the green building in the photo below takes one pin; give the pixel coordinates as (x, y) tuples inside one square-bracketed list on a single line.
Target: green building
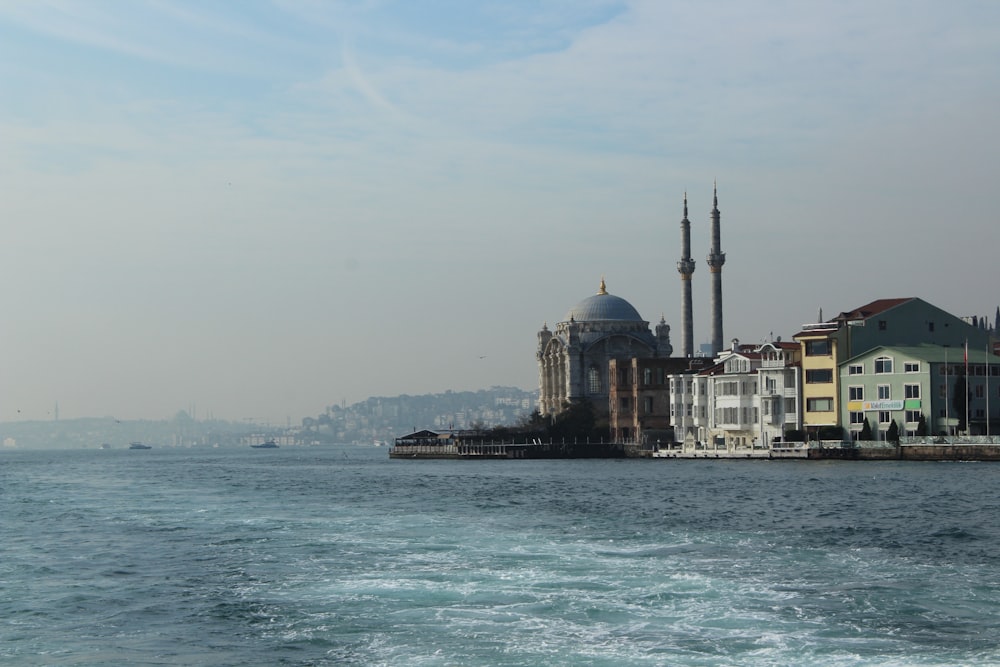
[(903, 384)]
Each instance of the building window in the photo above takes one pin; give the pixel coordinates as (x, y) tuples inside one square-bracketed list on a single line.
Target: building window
[(930, 327), (689, 409), (884, 393), (980, 391), (884, 417), (882, 325), (912, 416), (911, 367), (819, 375), (819, 405), (624, 404), (857, 417), (943, 391), (817, 348), (855, 369), (594, 380), (790, 408), (856, 393), (647, 404), (647, 376), (911, 391), (883, 365)]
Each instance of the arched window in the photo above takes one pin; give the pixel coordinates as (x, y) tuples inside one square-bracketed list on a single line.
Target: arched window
[(593, 380), (883, 365)]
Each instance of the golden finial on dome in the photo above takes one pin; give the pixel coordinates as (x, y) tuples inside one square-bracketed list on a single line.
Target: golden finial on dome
[(603, 289)]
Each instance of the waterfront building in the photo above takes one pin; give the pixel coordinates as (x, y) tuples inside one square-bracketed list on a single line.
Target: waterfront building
[(574, 360), (910, 384), (884, 322), (640, 407), (780, 381), (753, 396), (746, 398), (690, 402)]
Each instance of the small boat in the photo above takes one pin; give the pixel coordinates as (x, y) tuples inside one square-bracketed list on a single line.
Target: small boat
[(138, 445), (270, 444), (379, 443)]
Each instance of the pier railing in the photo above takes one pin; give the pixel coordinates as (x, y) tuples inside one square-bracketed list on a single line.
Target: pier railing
[(494, 449)]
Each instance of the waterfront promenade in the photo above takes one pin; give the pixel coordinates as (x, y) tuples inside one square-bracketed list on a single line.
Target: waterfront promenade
[(911, 449)]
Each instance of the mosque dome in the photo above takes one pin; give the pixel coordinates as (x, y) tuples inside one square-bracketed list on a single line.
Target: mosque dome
[(603, 306)]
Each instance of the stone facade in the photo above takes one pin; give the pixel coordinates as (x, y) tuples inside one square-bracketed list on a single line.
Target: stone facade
[(574, 360)]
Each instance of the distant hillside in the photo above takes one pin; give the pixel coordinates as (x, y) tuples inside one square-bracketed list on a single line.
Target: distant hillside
[(386, 417), (376, 418)]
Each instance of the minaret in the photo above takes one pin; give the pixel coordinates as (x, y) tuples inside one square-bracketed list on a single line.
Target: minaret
[(716, 259), (685, 267)]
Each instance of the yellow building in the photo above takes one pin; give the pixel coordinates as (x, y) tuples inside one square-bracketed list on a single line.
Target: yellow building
[(820, 382)]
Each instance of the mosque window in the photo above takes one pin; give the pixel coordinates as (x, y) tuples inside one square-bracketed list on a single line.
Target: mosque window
[(594, 380)]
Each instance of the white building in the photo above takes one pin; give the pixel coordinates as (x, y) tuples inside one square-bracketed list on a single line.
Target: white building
[(748, 398)]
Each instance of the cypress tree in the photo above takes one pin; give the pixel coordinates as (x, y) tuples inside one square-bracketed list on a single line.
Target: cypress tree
[(892, 433)]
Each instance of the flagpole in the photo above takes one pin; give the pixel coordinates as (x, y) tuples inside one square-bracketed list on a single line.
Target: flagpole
[(987, 388), (947, 381), (968, 426)]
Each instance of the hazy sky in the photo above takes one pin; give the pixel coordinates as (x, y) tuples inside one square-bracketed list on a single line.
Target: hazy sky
[(258, 209)]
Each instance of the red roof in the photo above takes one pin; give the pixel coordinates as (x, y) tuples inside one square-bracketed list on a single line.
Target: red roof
[(871, 309)]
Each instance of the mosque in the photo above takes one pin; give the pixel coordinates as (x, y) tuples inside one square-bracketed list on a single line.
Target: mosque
[(574, 360)]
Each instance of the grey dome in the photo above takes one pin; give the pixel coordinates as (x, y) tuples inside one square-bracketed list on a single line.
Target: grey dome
[(603, 306)]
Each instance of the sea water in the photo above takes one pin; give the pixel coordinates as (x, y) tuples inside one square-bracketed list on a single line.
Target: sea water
[(340, 556)]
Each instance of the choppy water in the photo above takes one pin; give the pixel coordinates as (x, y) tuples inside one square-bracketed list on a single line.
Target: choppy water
[(339, 556)]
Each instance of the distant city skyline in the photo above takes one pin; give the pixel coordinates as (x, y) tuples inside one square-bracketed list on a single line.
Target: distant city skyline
[(265, 208)]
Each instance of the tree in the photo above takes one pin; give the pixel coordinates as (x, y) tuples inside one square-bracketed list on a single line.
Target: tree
[(866, 431), (578, 422), (795, 435), (922, 425), (892, 433)]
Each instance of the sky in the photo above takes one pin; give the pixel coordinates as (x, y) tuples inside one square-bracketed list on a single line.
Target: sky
[(254, 210)]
